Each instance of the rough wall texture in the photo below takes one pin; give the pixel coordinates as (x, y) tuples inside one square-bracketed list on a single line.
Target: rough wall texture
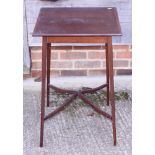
[(83, 61)]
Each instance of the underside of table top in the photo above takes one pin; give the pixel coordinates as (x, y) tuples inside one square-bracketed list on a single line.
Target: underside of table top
[(83, 21)]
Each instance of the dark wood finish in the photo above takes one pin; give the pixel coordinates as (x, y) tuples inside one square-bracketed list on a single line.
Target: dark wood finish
[(93, 90), (87, 101), (111, 82), (43, 86), (77, 39), (84, 21), (62, 107), (80, 94), (107, 72), (90, 90), (48, 71), (60, 90), (77, 25)]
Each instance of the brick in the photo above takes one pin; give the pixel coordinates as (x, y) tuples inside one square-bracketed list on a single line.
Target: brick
[(54, 73), (126, 47), (95, 47), (61, 64), (130, 47), (124, 72), (73, 55), (35, 48), (54, 55), (96, 72), (74, 73), (130, 63), (115, 72), (61, 47), (36, 56), (104, 64), (121, 63), (87, 64), (36, 65), (26, 76), (123, 55), (96, 55), (91, 66), (36, 73)]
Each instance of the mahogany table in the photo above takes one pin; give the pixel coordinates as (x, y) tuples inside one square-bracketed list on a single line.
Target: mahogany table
[(77, 25)]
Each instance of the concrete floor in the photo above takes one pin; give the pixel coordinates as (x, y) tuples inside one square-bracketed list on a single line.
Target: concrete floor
[(76, 131)]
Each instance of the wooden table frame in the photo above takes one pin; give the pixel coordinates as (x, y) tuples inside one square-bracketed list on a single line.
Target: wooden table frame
[(45, 87), (77, 25)]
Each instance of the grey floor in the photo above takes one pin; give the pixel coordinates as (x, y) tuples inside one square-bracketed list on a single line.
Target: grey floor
[(76, 131)]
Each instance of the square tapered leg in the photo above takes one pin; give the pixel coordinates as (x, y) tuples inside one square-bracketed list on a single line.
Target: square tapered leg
[(43, 88), (107, 72), (48, 72), (111, 85)]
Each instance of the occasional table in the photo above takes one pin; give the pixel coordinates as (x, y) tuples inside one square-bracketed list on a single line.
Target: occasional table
[(77, 25)]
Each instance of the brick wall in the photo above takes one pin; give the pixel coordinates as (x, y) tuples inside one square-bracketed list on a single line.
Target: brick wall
[(82, 61)]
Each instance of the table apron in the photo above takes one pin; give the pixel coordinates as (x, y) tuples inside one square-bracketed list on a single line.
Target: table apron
[(78, 39)]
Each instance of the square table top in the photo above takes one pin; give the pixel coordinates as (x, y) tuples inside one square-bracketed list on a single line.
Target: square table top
[(85, 21)]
